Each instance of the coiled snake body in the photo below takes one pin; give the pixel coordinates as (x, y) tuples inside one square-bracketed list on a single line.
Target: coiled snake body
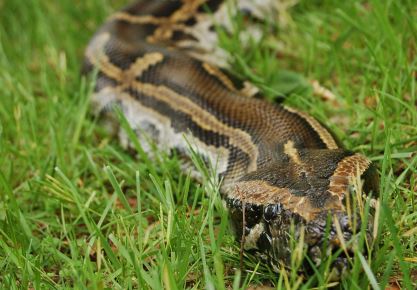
[(158, 61)]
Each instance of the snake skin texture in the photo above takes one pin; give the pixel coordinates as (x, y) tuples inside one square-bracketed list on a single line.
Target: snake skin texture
[(284, 176)]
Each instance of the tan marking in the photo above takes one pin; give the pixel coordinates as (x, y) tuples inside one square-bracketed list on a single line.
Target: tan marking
[(261, 193), (109, 94), (138, 19), (165, 25), (223, 78), (348, 168), (252, 238), (204, 119), (165, 32), (324, 134), (292, 152), (175, 21), (142, 64), (135, 113), (96, 55), (127, 77), (249, 89), (187, 9)]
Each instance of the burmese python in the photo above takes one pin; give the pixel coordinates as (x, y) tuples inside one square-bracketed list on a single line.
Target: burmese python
[(158, 61)]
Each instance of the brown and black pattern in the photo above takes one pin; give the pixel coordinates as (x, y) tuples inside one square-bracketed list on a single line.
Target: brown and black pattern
[(283, 165)]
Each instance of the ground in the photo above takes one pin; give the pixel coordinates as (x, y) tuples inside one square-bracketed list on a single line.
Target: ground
[(76, 210)]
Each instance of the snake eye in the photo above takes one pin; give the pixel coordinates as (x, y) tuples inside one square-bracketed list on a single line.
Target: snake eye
[(271, 211)]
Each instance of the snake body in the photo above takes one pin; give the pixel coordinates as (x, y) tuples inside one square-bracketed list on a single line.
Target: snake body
[(281, 168)]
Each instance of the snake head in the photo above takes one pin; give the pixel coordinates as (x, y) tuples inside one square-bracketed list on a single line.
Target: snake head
[(314, 199)]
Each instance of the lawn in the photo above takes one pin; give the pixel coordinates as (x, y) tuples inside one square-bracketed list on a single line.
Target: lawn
[(77, 210)]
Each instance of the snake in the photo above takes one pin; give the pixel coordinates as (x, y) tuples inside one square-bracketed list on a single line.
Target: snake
[(284, 176)]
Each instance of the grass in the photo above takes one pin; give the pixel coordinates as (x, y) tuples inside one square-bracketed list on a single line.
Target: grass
[(77, 211)]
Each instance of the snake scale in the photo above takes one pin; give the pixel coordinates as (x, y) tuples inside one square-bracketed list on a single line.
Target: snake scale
[(280, 168)]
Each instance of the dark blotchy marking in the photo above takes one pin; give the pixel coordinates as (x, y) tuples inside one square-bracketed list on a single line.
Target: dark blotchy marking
[(253, 214), (275, 174), (323, 162), (237, 158), (317, 139), (132, 33), (184, 123), (187, 77), (263, 243), (179, 35), (122, 58), (103, 81), (157, 75), (311, 181), (320, 200), (191, 21)]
